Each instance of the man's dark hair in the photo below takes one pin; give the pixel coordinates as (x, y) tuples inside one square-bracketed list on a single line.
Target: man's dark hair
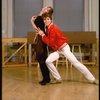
[(50, 10)]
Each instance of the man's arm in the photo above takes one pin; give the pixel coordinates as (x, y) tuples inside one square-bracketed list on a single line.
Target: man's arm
[(33, 24), (37, 22)]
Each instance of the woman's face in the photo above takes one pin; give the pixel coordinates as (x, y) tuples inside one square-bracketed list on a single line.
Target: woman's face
[(47, 21)]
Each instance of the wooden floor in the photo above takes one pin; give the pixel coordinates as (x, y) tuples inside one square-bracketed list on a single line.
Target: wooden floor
[(21, 83)]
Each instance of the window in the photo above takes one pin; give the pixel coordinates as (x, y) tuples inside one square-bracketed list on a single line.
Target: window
[(23, 11), (69, 14)]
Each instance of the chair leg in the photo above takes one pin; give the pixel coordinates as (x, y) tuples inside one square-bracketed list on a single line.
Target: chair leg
[(39, 74), (64, 60), (56, 63), (80, 56), (66, 70)]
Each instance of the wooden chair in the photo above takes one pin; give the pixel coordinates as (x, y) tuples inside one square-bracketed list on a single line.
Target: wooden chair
[(63, 62)]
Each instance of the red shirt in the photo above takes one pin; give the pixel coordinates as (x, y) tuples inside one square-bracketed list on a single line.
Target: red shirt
[(55, 38)]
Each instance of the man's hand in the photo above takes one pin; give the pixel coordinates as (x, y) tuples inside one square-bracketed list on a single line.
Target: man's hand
[(32, 21), (33, 18)]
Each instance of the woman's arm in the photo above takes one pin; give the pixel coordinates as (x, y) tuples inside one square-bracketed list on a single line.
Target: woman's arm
[(49, 40)]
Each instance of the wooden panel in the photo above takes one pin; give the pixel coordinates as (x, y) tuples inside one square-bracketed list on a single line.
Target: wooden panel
[(14, 40), (88, 37), (30, 37), (21, 40), (81, 37)]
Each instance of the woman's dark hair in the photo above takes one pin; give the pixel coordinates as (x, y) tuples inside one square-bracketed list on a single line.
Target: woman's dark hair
[(46, 15)]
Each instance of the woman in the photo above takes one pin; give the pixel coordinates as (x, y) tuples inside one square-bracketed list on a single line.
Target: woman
[(59, 43)]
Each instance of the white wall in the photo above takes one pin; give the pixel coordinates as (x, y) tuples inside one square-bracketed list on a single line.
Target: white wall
[(94, 16), (7, 16), (48, 3), (4, 18)]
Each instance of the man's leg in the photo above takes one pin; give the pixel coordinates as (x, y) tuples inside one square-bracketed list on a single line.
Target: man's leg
[(44, 69)]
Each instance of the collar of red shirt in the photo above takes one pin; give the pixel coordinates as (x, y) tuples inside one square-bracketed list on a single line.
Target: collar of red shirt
[(50, 25)]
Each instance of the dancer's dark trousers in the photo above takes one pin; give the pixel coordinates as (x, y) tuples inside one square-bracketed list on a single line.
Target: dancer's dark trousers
[(41, 56)]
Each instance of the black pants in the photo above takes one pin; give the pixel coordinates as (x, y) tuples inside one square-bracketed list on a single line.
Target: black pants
[(41, 56)]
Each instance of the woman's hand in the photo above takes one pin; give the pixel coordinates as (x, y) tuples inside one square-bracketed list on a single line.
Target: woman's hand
[(40, 32)]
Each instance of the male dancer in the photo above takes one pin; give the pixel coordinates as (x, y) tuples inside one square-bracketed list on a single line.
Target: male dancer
[(41, 47)]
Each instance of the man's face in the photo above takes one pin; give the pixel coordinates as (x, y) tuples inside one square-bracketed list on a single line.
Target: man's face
[(45, 9)]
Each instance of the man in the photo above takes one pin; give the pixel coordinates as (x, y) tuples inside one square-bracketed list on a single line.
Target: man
[(41, 47)]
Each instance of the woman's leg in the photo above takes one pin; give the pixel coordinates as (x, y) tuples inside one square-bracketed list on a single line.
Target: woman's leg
[(82, 68), (49, 61)]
